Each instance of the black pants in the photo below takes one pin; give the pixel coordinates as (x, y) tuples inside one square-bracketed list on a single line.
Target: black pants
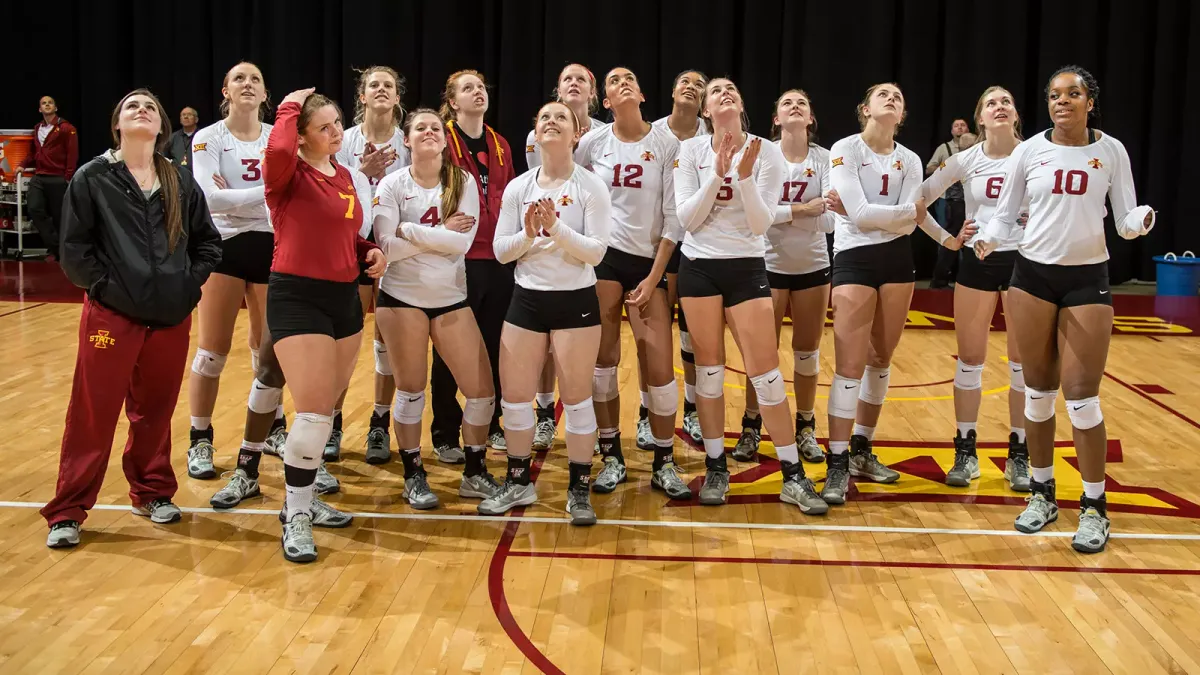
[(489, 292), (946, 268), (45, 208)]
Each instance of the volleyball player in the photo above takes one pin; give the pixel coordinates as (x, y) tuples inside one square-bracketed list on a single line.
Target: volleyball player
[(876, 189), (137, 236), (555, 224), (227, 163), (687, 96), (636, 161), (1059, 297), (374, 146), (797, 268), (726, 188), (980, 169), (312, 305), (425, 222)]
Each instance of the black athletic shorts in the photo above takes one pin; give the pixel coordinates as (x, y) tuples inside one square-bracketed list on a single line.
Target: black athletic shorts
[(875, 264), (627, 269), (1063, 285), (993, 273), (363, 279), (736, 280), (247, 256), (673, 263), (304, 306), (544, 311), (798, 282), (386, 300)]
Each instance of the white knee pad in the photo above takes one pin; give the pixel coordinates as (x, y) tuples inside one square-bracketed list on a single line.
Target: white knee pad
[(581, 417), (381, 361), (306, 440), (254, 361), (208, 364), (710, 381), (1016, 376), (264, 399), (769, 387), (843, 397), (664, 399), (1039, 405), (1085, 413), (604, 383), (478, 411), (967, 376), (517, 416), (874, 385), (407, 406), (808, 364), (685, 341)]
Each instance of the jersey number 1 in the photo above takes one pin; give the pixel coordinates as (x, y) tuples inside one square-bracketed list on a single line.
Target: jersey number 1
[(883, 192), (632, 178)]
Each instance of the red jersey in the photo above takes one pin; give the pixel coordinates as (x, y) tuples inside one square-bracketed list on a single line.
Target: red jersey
[(316, 217)]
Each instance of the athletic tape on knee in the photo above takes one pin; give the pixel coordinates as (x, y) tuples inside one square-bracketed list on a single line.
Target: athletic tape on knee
[(478, 411), (407, 406), (769, 387), (874, 385), (254, 361), (306, 440), (517, 416), (381, 360), (710, 381), (1085, 413), (685, 342), (264, 399), (967, 376), (581, 417), (1016, 376), (208, 364), (808, 364), (604, 383), (664, 399), (1039, 405), (843, 397)]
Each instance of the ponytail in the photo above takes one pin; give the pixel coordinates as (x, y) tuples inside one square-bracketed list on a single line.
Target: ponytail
[(452, 179), (168, 177)]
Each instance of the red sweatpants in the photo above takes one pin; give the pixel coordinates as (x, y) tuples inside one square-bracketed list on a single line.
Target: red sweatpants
[(119, 361)]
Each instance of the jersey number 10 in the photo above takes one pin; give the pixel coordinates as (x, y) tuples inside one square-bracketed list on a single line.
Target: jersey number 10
[(1075, 183)]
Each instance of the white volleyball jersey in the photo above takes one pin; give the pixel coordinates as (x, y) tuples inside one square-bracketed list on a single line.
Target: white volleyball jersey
[(981, 177), (641, 181), (1065, 187), (425, 260), (701, 130), (354, 143), (241, 207), (797, 245), (562, 258), (725, 217), (877, 192), (533, 152)]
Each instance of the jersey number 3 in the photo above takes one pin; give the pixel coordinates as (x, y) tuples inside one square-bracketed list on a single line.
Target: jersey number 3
[(253, 170), (632, 178)]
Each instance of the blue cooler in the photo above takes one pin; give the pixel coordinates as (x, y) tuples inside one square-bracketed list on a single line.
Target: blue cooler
[(1178, 275)]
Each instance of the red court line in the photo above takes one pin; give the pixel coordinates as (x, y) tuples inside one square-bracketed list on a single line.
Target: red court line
[(1153, 400), (856, 563), (894, 386), (18, 311)]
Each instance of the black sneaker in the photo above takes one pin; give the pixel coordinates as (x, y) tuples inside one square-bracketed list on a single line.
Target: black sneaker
[(1016, 468), (747, 444)]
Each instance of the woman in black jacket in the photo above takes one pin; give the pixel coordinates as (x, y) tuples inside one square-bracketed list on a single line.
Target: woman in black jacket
[(137, 235)]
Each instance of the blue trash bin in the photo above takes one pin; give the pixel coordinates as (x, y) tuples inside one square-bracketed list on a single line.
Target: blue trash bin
[(1178, 275)]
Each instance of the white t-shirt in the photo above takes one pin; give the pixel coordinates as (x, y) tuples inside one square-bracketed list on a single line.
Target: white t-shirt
[(1065, 187), (562, 258), (701, 130), (877, 192), (425, 260), (242, 207), (354, 142), (641, 181), (797, 245), (725, 217), (533, 152), (981, 177)]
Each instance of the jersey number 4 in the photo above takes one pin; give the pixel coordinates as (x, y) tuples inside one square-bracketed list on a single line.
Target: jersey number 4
[(792, 185), (431, 217), (632, 177), (253, 170)]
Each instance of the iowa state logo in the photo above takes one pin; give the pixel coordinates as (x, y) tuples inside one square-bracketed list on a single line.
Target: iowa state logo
[(102, 340)]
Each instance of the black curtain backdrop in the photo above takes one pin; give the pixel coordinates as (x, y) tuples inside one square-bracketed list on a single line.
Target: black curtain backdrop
[(943, 54)]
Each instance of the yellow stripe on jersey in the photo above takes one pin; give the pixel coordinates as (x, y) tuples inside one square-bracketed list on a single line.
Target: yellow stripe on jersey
[(199, 147), (837, 161)]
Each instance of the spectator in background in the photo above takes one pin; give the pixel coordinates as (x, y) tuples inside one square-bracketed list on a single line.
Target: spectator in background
[(55, 156), (179, 150), (954, 209)]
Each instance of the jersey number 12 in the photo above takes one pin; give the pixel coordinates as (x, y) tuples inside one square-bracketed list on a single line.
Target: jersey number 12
[(632, 178)]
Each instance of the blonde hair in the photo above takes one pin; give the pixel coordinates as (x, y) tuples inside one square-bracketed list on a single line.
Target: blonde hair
[(594, 101), (360, 108), (708, 123), (980, 132), (262, 108)]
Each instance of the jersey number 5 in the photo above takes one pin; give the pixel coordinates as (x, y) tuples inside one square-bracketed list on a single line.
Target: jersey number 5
[(725, 193), (632, 178), (431, 217), (790, 185), (253, 171)]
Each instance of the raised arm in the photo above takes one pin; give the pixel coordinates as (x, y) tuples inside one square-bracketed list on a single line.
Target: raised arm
[(281, 160), (1129, 218), (694, 194), (843, 176), (510, 241)]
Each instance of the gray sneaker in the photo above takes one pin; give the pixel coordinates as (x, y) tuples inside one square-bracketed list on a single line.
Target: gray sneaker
[(510, 496), (480, 486), (747, 444), (333, 447), (239, 487), (667, 479), (275, 441), (496, 440), (418, 493), (449, 454), (645, 437), (1092, 535), (864, 463), (966, 462), (579, 505), (63, 534), (611, 474), (297, 539), (543, 433), (1016, 469), (798, 489), (715, 487), (691, 426), (160, 511), (1041, 509), (324, 515), (327, 483), (200, 460), (379, 449), (806, 441), (837, 478)]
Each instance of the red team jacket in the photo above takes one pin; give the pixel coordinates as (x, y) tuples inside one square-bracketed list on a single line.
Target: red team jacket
[(59, 155), (500, 172)]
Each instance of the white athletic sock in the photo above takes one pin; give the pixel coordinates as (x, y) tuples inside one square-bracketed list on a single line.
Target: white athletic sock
[(1020, 432), (964, 427), (806, 415), (300, 500), (1042, 475), (381, 410), (689, 392), (608, 433), (645, 398), (1093, 490), (714, 447), (839, 447), (860, 430), (787, 453), (253, 447), (545, 400), (201, 423)]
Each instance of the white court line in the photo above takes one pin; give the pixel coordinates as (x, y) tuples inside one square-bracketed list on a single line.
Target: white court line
[(658, 523)]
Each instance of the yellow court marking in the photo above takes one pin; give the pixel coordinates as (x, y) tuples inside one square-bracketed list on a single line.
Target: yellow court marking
[(950, 397)]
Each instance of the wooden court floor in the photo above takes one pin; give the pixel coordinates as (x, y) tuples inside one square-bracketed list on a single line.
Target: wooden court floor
[(913, 577)]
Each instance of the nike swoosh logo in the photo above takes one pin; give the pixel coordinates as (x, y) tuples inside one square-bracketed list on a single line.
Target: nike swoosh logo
[(586, 315), (702, 167), (1103, 292), (772, 380), (1076, 407), (866, 164), (883, 375), (713, 373), (608, 154), (762, 287), (848, 386), (1043, 164), (805, 358), (978, 171), (408, 197)]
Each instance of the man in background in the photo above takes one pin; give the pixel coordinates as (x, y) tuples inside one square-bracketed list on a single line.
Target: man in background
[(54, 160), (179, 150), (955, 209)]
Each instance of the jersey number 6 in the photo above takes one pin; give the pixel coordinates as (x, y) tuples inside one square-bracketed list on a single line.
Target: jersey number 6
[(253, 172)]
